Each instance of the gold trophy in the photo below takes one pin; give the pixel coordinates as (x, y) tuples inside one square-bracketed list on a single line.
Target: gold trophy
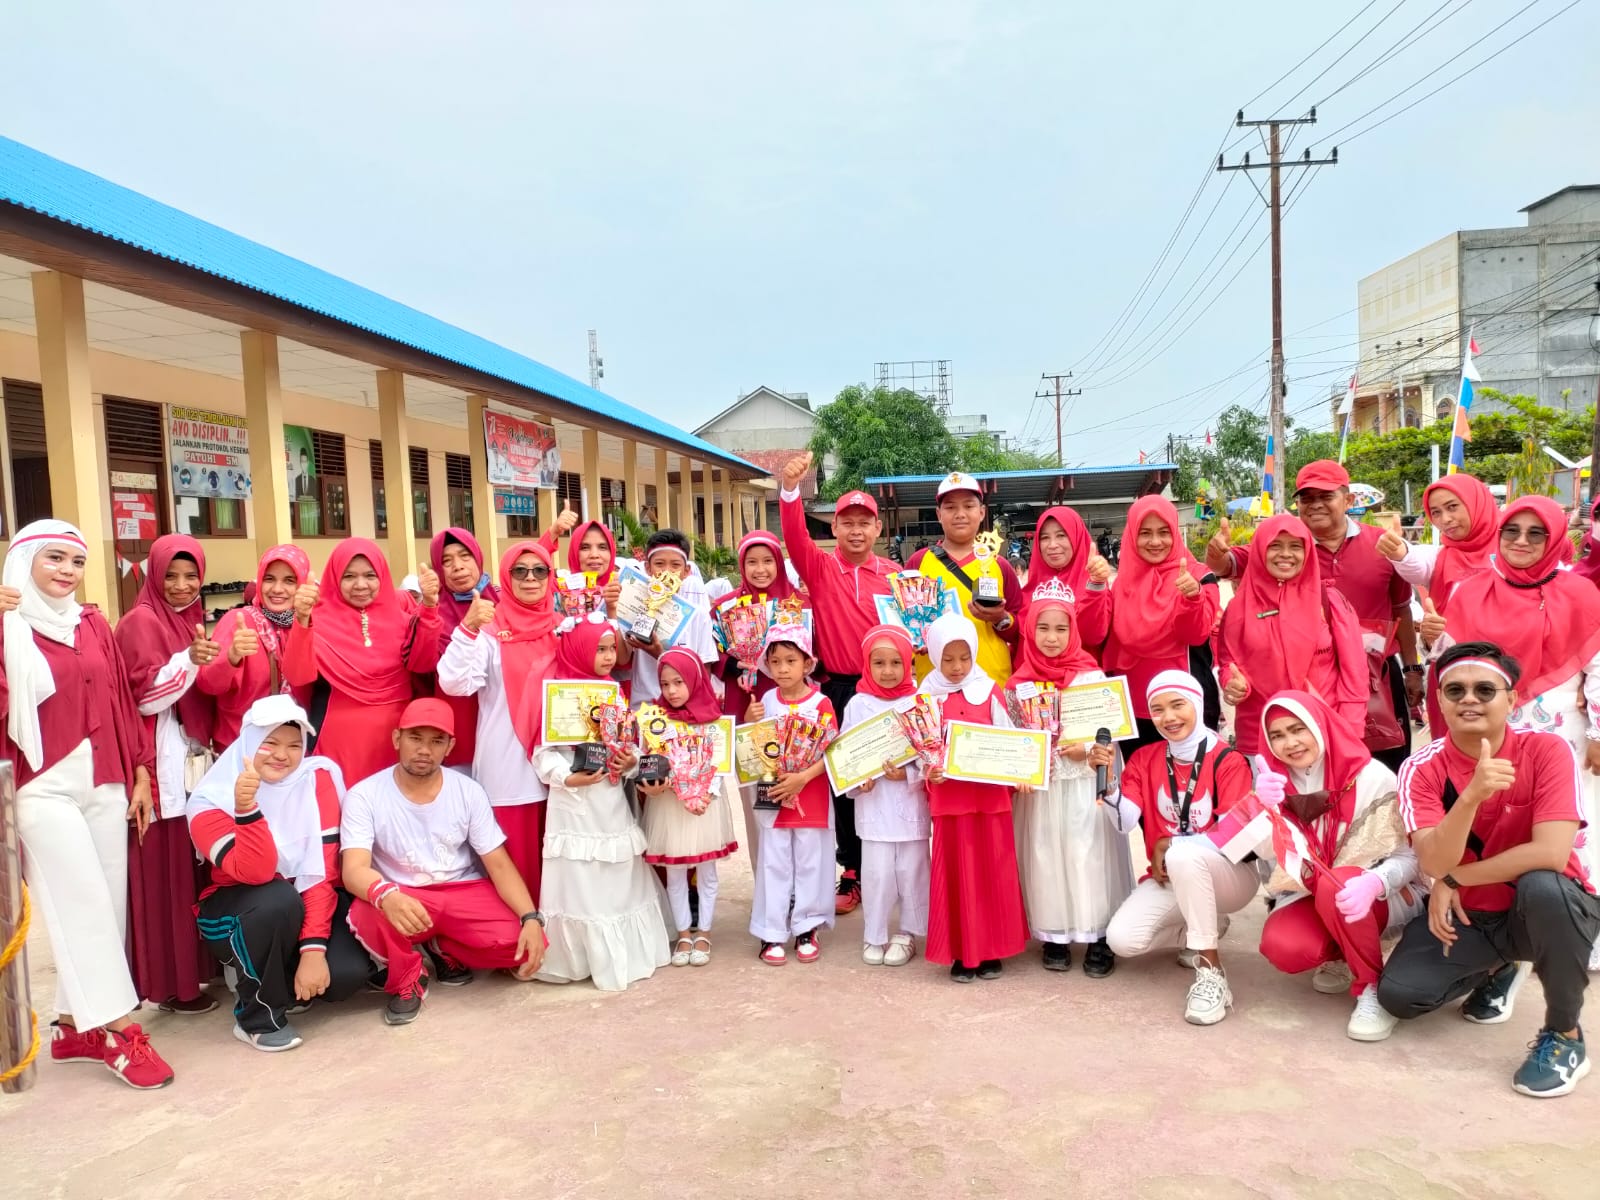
[(654, 726), (590, 757), (662, 589), (986, 550)]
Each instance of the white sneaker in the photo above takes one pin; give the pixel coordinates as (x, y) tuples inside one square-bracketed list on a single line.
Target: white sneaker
[(1370, 1022), (902, 949), (872, 955), (1209, 995), (1332, 978)]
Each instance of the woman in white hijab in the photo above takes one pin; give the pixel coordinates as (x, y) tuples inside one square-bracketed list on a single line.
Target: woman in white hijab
[(266, 820), (83, 765)]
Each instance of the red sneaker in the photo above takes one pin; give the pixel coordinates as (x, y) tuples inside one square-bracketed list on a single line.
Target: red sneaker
[(132, 1059), (76, 1045), (848, 898), (807, 948)]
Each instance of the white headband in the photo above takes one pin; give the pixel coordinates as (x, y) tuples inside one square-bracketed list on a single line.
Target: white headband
[(1485, 663)]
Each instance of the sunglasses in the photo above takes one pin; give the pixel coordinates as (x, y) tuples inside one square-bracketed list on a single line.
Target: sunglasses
[(1535, 535), (521, 573), (1481, 692)]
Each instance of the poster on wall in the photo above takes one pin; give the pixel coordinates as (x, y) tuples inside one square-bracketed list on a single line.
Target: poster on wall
[(522, 454), (300, 461), (210, 454), (133, 516)]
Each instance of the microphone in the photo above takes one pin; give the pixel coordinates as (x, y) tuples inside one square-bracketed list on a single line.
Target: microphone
[(1102, 737)]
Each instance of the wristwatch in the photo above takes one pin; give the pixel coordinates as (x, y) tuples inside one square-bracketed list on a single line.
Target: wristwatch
[(1004, 623), (1450, 881), (1416, 669), (535, 915)]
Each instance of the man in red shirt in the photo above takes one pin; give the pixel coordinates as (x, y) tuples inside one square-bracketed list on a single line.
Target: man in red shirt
[(1493, 815), (843, 588), (1351, 564)]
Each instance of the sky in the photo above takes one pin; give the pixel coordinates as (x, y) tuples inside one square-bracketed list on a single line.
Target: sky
[(738, 194)]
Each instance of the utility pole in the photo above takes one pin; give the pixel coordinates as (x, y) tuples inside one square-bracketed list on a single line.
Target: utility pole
[(597, 365), (1274, 200), (1058, 378)]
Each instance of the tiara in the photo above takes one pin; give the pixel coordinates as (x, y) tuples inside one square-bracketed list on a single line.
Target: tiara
[(1054, 589)]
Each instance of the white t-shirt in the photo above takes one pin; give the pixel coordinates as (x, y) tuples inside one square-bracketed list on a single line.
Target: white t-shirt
[(420, 844), (697, 636)]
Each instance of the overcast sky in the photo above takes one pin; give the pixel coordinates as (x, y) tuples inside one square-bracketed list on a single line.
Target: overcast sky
[(744, 193)]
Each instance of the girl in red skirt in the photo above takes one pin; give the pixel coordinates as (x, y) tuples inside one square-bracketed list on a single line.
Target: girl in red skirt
[(975, 914)]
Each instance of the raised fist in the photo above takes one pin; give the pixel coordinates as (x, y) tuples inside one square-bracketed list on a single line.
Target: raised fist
[(795, 470)]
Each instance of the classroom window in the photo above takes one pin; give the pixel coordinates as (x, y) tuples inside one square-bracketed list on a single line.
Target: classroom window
[(522, 526), (458, 478), (569, 489), (421, 509), (30, 463), (380, 509), (202, 517)]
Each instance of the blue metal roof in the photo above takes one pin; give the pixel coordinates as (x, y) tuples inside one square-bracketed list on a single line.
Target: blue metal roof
[(1031, 473), (39, 183)]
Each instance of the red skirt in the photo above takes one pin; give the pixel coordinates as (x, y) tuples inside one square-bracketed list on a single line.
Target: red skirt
[(167, 958), (975, 897), (523, 825)]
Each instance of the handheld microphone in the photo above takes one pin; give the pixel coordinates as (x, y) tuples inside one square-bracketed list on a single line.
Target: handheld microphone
[(1102, 737)]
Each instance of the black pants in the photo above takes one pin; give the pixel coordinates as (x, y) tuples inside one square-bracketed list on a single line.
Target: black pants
[(1402, 711), (1552, 923), (255, 929), (838, 689), (1203, 666)]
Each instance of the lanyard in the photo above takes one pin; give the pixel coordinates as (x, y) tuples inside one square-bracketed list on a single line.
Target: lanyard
[(1188, 795)]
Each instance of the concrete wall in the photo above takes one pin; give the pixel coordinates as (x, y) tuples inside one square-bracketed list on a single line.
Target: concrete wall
[(763, 421), (1415, 297)]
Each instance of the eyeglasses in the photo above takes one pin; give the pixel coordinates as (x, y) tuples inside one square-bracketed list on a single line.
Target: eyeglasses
[(1481, 692), (1534, 535), (521, 573)]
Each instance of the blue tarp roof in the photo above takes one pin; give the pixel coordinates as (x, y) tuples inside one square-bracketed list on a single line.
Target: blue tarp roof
[(39, 183)]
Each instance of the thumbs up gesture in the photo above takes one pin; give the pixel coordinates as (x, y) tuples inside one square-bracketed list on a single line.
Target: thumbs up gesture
[(795, 470), (1432, 625), (566, 519), (1269, 786), (245, 643), (1217, 556), (305, 599), (202, 650), (10, 597), (1237, 687), (1490, 776), (1392, 546), (1188, 586), (245, 787), (1099, 570), (479, 614), (428, 581)]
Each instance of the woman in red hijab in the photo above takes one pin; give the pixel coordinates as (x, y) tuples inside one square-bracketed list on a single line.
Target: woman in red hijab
[(502, 654), (1284, 631), (367, 641), (163, 641), (1062, 549), (1464, 512), (1548, 618), (1154, 610), (458, 559), (1075, 868), (1324, 780), (256, 639), (763, 576)]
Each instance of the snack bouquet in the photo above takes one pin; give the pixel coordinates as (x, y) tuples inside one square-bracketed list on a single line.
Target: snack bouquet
[(1036, 706), (742, 632), (577, 596), (618, 729), (922, 600), (923, 723), (694, 768), (801, 743)]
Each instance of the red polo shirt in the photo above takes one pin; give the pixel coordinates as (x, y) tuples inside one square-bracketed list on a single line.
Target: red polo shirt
[(1357, 572), (1546, 789)]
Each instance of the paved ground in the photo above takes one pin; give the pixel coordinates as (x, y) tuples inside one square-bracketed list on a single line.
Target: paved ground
[(834, 1080)]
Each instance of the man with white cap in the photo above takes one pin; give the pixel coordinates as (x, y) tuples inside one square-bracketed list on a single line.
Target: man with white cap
[(986, 586), (418, 841)]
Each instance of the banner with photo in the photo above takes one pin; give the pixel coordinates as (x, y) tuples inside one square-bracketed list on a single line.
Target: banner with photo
[(300, 463), (210, 454), (522, 454)]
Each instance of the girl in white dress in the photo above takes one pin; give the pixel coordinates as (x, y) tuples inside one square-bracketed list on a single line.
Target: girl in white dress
[(603, 908), (1075, 867)]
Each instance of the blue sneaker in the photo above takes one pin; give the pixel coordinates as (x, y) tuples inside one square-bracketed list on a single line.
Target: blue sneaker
[(1493, 1000), (1554, 1065)]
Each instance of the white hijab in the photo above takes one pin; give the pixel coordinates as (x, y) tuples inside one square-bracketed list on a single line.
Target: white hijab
[(953, 627), (1181, 683), (1304, 781), (27, 671), (288, 806)]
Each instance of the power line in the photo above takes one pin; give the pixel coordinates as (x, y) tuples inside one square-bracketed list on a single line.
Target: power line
[(1407, 40), (1310, 56)]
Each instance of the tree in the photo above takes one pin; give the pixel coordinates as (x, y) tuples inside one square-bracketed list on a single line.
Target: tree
[(983, 452), (875, 431), (1232, 461), (634, 533)]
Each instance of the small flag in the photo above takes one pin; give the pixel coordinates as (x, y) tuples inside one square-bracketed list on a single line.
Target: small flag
[(1244, 828), (1294, 855), (1141, 456), (1208, 437), (1461, 428), (1268, 470), (1345, 411)]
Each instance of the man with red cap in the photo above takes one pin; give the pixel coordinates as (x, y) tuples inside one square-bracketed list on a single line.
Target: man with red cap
[(1352, 565), (843, 587), (418, 841)]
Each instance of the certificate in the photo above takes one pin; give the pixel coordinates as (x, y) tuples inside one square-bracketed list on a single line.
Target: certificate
[(721, 733), (987, 754), (858, 754), (567, 704), (755, 751), (634, 604), (1087, 708)]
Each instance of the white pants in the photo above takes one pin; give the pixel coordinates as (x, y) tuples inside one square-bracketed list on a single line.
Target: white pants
[(797, 864), (890, 872), (75, 856), (705, 875), (1204, 885)]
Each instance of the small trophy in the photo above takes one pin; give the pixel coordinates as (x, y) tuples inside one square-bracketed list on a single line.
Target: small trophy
[(986, 548), (770, 750), (589, 758), (662, 589), (654, 728), (800, 744)]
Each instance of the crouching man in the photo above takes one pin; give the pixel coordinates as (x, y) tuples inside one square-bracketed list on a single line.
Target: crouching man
[(418, 840)]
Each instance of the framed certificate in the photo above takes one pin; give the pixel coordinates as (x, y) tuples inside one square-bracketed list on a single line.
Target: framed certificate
[(635, 603), (721, 732), (755, 751), (987, 754), (858, 754), (567, 704), (1087, 708)]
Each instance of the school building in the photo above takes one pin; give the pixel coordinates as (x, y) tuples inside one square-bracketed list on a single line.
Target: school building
[(159, 374)]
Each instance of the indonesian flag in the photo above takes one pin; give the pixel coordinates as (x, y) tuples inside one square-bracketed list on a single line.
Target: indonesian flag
[(1243, 829), (1289, 847), (1461, 430)]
